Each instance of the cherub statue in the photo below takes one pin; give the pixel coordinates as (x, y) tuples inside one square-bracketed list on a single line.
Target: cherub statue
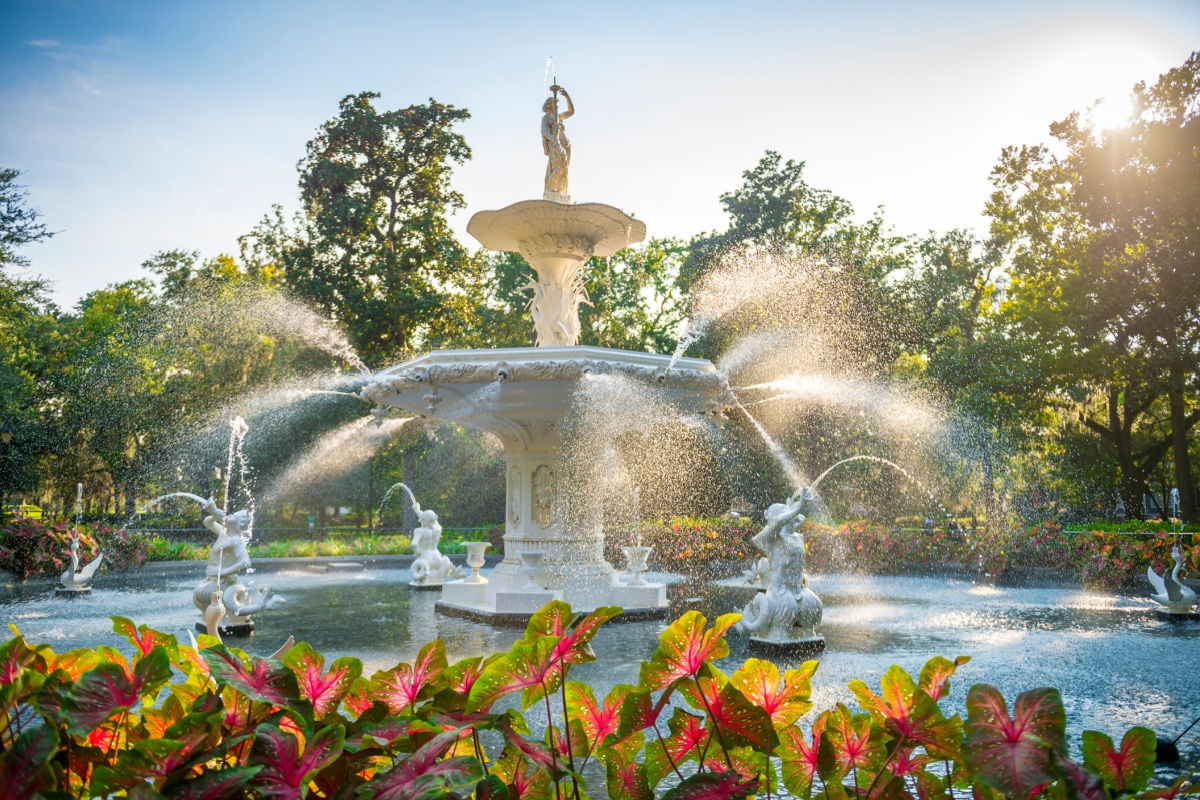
[(430, 567), (556, 145)]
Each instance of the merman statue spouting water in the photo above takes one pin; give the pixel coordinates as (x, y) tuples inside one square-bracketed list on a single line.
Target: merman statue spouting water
[(228, 561), (773, 616)]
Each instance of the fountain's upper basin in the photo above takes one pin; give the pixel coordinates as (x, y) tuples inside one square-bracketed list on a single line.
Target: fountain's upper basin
[(473, 385)]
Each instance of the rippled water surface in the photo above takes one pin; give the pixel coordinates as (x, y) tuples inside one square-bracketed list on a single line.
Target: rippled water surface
[(1116, 661)]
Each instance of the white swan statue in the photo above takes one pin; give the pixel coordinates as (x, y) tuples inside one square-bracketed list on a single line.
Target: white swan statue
[(1176, 596), (76, 579)]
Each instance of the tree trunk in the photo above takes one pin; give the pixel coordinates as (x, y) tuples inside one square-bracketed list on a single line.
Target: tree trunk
[(1179, 444)]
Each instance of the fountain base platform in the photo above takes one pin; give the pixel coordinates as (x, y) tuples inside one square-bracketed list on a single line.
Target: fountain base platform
[(519, 619), (810, 646), (65, 591), (505, 601), (238, 630)]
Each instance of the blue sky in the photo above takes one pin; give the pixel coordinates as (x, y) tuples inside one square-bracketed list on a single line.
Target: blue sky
[(142, 126)]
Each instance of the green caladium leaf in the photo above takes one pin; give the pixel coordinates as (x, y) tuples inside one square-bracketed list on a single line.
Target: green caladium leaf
[(529, 666), (288, 764), (404, 685), (25, 765), (908, 712), (323, 689), (161, 759), (713, 786), (262, 681), (847, 746), (425, 775), (784, 699), (684, 648), (935, 675), (625, 776), (214, 784), (1012, 755), (109, 688), (799, 756), (1128, 769), (732, 718)]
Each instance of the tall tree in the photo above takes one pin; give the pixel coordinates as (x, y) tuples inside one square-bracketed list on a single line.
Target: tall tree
[(373, 247), (1105, 231), (26, 334)]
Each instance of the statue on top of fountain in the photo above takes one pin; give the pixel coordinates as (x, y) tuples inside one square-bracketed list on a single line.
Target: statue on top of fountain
[(787, 603), (556, 146), (228, 559), (430, 567)]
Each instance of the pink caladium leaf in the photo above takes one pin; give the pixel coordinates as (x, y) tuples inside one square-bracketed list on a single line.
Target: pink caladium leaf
[(846, 745), (404, 685), (425, 775), (714, 786), (324, 689), (598, 721), (287, 764), (262, 681), (784, 699), (15, 658), (1012, 755), (684, 648), (687, 741), (25, 765), (108, 689), (574, 634), (519, 779), (935, 675), (460, 676), (529, 667), (358, 699), (799, 756), (1075, 781), (908, 712), (1128, 769), (143, 637), (625, 775), (637, 709)]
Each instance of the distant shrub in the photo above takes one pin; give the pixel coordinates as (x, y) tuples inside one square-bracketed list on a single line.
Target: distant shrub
[(30, 548)]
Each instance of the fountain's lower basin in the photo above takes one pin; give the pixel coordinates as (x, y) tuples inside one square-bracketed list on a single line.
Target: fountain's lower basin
[(1115, 660)]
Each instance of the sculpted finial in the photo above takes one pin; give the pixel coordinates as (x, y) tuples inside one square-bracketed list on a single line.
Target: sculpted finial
[(556, 146)]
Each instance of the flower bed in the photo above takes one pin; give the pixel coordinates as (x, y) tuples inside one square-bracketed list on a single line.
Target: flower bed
[(30, 547)]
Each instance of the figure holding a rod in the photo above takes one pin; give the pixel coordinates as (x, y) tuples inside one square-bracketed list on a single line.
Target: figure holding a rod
[(556, 146)]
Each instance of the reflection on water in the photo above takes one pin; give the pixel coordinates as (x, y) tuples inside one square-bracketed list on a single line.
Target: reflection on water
[(1116, 662)]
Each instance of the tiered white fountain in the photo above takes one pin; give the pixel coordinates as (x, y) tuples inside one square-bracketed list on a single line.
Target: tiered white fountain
[(524, 396)]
